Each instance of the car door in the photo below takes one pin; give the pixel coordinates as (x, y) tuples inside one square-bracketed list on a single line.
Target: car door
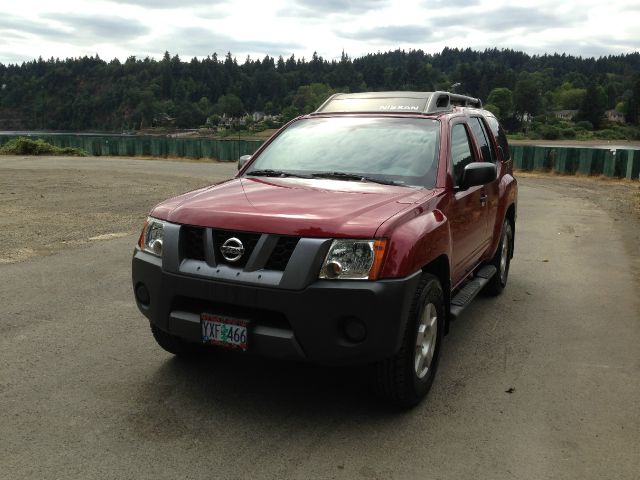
[(487, 150), (467, 211)]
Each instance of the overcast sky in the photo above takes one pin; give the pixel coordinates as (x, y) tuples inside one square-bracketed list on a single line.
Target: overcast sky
[(121, 28)]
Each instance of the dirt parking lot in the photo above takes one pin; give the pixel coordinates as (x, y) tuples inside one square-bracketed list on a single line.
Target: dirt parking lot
[(538, 383), (52, 203)]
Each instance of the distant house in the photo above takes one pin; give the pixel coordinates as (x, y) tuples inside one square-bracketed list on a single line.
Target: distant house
[(229, 122), (567, 115), (163, 120), (614, 116), (524, 117), (258, 116)]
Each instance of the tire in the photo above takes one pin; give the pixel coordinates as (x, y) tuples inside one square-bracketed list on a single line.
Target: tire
[(172, 344), (501, 260), (405, 379)]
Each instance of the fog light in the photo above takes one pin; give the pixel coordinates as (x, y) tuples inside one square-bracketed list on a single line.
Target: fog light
[(354, 329), (156, 247), (142, 294), (333, 269)]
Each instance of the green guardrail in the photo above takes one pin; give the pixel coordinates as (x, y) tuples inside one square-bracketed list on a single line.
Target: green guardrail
[(620, 163), (150, 146)]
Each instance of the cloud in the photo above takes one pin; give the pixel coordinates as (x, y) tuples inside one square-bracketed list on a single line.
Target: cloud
[(504, 19), (100, 29), (597, 47), (17, 27), (9, 57), (394, 34), (439, 26), (303, 8), (342, 6), (450, 3), (169, 3), (200, 42)]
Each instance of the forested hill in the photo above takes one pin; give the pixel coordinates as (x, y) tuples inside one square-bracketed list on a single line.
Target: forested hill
[(92, 94)]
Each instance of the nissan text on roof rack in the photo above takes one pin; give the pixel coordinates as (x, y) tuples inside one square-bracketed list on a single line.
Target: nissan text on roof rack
[(354, 235)]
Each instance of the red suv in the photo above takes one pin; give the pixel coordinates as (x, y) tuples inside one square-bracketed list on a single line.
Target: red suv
[(355, 234)]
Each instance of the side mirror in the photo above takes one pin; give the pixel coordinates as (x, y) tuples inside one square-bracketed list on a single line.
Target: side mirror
[(478, 173), (243, 160)]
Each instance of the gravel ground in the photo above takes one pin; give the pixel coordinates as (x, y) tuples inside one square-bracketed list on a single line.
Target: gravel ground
[(620, 197), (48, 204)]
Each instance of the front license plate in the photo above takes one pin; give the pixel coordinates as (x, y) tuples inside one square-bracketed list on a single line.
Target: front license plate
[(224, 331)]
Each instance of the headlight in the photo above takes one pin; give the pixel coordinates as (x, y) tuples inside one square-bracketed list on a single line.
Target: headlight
[(152, 235), (354, 259)]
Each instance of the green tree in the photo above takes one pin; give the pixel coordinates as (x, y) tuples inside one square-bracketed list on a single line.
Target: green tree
[(633, 104), (593, 105), (503, 99), (568, 98), (310, 97), (230, 105), (526, 96), (89, 93), (493, 109)]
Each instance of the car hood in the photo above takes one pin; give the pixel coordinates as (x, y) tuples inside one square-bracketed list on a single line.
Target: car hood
[(291, 206)]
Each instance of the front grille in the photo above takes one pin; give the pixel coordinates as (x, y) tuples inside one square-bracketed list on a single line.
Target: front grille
[(193, 246), (249, 241), (193, 242), (282, 253)]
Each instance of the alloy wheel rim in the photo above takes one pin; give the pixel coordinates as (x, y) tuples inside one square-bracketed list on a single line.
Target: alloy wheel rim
[(426, 340), (504, 254)]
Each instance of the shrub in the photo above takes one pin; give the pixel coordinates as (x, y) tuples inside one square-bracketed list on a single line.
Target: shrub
[(569, 133), (27, 146), (608, 134), (549, 132), (585, 125), (584, 135)]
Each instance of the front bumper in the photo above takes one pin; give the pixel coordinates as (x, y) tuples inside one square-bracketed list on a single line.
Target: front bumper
[(306, 324)]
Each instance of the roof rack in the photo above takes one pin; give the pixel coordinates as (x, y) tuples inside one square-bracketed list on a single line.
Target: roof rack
[(393, 102)]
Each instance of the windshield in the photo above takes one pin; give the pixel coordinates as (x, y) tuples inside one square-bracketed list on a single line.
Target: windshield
[(399, 150)]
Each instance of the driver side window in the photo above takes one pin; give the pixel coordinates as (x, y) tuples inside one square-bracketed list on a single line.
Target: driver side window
[(461, 155)]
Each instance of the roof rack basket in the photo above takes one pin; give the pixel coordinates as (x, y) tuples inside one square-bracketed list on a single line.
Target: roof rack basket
[(442, 101), (408, 102)]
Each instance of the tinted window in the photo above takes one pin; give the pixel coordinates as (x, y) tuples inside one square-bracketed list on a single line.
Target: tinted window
[(399, 149), (486, 147), (498, 132), (460, 152)]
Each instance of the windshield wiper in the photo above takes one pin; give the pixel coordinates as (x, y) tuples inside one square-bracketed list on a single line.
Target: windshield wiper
[(275, 173), (356, 177)]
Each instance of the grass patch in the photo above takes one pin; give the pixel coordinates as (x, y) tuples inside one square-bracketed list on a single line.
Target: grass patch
[(27, 146)]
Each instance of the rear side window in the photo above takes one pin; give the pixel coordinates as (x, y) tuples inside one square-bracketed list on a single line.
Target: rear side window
[(486, 147), (501, 137), (460, 152)]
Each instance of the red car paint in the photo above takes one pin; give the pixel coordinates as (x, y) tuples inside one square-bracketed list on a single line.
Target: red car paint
[(420, 224)]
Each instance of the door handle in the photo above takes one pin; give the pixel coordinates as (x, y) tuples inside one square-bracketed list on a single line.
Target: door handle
[(483, 199)]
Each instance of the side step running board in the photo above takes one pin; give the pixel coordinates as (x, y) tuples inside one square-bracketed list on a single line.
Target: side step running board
[(470, 290)]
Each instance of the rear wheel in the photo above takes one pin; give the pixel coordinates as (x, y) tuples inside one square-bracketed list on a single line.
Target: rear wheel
[(406, 378), (176, 345), (502, 261)]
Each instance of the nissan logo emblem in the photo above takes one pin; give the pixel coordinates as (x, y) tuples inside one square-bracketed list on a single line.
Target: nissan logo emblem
[(232, 249)]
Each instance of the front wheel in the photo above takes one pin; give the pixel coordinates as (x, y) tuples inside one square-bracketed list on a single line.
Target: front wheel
[(502, 261), (406, 378)]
